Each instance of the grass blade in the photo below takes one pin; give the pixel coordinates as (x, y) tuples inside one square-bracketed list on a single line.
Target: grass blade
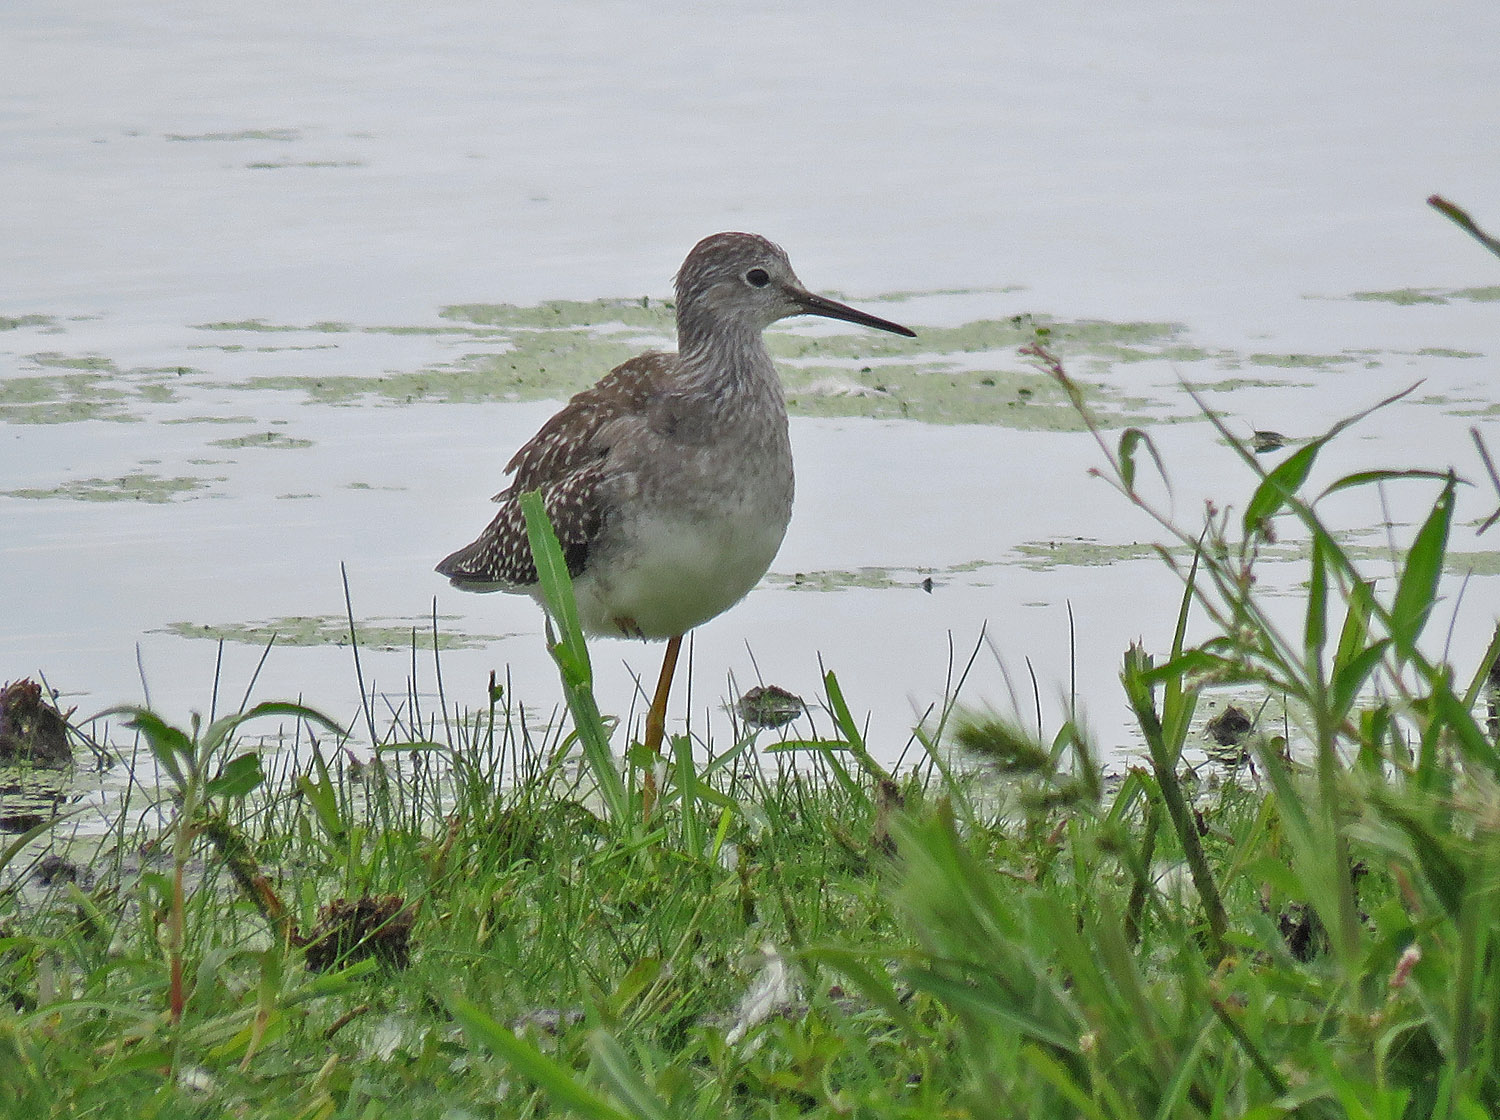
[(551, 1076), (614, 1067), (572, 657), (1283, 482), (852, 736), (556, 584), (1417, 590)]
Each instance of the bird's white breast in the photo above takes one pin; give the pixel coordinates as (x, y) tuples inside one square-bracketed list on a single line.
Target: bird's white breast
[(675, 570)]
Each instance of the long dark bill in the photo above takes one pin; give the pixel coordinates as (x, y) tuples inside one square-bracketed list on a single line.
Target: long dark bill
[(832, 309)]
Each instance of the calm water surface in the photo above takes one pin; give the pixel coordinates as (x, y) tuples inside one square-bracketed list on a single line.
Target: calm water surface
[(235, 240)]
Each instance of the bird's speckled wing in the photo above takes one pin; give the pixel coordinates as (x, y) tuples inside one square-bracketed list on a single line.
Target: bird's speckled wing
[(567, 461), (570, 440)]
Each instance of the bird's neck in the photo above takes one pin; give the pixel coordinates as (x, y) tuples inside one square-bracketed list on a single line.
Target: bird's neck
[(726, 358)]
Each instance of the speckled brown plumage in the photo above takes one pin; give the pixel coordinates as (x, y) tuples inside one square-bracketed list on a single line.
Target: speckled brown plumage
[(565, 461), (567, 442)]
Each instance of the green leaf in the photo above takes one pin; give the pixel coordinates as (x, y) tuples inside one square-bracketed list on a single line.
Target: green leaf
[(572, 656), (1356, 631), (222, 728), (550, 1075), (238, 777), (1178, 702), (1364, 478), (1460, 217), (1349, 676), (1417, 591), (169, 745), (641, 976), (1279, 485), (873, 981), (1315, 626), (1165, 755), (1482, 674), (556, 584), (686, 776), (1476, 746), (1435, 850), (1055, 1073), (323, 798), (1131, 440), (615, 1069), (845, 720), (1196, 662)]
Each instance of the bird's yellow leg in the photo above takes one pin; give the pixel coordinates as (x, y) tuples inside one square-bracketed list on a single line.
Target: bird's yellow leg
[(656, 719)]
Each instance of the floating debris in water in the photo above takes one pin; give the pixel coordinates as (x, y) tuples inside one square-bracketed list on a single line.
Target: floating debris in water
[(1229, 727), (31, 728), (769, 706), (57, 869)]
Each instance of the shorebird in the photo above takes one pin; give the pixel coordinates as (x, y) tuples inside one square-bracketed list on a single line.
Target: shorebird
[(669, 483)]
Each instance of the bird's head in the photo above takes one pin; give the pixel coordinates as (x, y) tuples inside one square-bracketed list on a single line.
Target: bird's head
[(742, 280)]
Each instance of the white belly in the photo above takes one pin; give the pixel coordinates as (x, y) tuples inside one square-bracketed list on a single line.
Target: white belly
[(673, 574)]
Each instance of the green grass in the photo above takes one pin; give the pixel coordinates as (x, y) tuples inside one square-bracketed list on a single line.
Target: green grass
[(786, 929)]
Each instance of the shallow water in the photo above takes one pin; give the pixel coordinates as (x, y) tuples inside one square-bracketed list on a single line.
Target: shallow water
[(269, 272)]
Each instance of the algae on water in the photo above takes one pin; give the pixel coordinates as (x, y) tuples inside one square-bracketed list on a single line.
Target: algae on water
[(138, 486), (970, 373), (379, 633)]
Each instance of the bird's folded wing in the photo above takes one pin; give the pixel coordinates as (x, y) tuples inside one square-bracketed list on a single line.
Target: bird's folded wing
[(570, 440)]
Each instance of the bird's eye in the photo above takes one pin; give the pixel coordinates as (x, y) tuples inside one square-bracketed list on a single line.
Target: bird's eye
[(757, 278)]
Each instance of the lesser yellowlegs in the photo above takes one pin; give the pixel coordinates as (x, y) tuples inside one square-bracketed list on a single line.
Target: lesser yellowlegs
[(669, 483)]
